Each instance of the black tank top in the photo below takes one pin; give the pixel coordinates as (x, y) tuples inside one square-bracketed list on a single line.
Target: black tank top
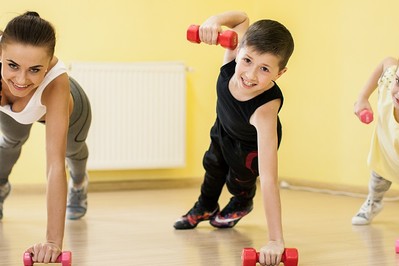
[(234, 115)]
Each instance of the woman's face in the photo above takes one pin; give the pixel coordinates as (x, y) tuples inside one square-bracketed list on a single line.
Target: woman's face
[(23, 67)]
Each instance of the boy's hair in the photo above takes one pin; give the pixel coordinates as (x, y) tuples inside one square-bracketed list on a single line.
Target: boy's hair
[(30, 29), (269, 36)]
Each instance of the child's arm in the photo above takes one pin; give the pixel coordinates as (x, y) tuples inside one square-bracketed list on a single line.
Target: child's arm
[(371, 84), (265, 121), (235, 20)]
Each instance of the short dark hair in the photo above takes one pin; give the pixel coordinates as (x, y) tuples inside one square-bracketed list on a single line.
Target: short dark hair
[(30, 29), (269, 36)]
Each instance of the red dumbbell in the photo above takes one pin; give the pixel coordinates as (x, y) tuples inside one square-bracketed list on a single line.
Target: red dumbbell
[(227, 39), (366, 116), (65, 258), (397, 246), (250, 257)]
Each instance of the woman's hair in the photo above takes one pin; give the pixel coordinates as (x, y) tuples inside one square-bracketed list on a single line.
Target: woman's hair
[(269, 36), (30, 29)]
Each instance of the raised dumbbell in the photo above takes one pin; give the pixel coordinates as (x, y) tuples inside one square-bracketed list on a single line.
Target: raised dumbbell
[(366, 116), (65, 258), (227, 39), (250, 257)]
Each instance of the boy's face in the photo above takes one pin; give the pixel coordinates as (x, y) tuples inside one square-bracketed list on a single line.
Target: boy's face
[(255, 71), (395, 91)]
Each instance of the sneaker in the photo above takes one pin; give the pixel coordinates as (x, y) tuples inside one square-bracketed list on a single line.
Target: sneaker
[(194, 216), (77, 199), (232, 213), (4, 192), (367, 212)]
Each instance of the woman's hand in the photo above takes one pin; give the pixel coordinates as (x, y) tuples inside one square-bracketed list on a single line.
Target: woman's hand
[(271, 253), (44, 252)]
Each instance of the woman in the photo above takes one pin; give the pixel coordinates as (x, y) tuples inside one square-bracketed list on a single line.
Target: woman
[(36, 87)]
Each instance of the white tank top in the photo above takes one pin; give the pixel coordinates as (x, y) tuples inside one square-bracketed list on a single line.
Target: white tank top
[(35, 110)]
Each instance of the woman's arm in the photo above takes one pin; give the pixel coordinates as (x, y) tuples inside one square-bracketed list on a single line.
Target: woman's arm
[(265, 121), (56, 98), (237, 21)]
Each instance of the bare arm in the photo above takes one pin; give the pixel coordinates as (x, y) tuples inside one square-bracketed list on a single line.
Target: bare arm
[(371, 84), (235, 20), (265, 121), (56, 99), (57, 122)]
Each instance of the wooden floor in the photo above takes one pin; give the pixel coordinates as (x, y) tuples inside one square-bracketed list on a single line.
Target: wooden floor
[(135, 228)]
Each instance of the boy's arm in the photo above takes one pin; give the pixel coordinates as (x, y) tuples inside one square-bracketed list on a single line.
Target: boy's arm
[(265, 121), (371, 84), (237, 21)]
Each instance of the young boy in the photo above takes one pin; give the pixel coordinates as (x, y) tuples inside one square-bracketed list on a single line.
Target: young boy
[(383, 157), (247, 128)]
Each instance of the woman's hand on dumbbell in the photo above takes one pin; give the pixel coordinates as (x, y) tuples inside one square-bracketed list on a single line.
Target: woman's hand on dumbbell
[(44, 252), (271, 254)]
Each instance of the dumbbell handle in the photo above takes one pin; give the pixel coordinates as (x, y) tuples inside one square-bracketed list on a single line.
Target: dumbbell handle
[(366, 116), (65, 258), (227, 39)]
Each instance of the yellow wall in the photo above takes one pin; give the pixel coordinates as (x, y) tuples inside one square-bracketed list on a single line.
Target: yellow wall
[(338, 43)]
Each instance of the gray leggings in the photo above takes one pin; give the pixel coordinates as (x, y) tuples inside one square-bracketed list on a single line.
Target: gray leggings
[(14, 135)]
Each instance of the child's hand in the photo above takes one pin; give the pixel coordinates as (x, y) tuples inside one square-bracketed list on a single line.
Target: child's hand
[(361, 105), (209, 31), (271, 253), (44, 252)]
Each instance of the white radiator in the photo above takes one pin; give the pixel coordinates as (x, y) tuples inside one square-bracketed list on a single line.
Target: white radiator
[(139, 112)]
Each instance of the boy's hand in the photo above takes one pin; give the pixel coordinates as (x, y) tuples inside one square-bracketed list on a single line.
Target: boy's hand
[(44, 252), (209, 31), (271, 253)]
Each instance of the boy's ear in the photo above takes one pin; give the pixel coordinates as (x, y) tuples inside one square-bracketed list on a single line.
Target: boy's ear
[(281, 72)]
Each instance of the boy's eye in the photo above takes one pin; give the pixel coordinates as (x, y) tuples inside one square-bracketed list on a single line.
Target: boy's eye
[(265, 69), (247, 60), (397, 80)]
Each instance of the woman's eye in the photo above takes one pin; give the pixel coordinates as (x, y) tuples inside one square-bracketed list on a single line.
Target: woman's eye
[(34, 70), (13, 66)]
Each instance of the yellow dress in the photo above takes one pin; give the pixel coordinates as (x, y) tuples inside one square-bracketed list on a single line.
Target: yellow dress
[(383, 157)]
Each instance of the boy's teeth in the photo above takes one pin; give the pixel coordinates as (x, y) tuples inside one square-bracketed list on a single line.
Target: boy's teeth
[(248, 83)]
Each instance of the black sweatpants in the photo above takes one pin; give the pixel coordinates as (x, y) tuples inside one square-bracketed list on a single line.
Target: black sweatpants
[(229, 162)]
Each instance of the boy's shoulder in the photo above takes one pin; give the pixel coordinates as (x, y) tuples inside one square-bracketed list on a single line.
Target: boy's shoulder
[(228, 68)]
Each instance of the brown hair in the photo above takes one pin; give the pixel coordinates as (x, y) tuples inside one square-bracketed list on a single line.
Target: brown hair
[(30, 29)]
